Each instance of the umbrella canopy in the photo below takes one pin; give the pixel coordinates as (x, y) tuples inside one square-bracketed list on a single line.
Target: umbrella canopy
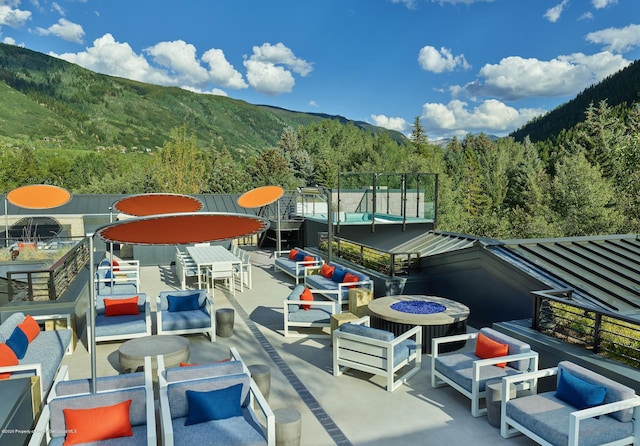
[(183, 229), (38, 196), (260, 196), (155, 204)]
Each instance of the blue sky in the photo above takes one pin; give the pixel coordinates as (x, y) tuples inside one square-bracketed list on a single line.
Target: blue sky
[(460, 65)]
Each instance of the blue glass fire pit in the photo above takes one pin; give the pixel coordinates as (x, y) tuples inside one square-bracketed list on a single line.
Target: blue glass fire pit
[(418, 307)]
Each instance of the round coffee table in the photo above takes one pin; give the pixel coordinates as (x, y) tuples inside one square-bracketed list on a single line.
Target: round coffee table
[(174, 350), (452, 319)]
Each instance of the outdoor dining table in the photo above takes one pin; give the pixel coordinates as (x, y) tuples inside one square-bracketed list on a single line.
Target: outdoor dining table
[(207, 256)]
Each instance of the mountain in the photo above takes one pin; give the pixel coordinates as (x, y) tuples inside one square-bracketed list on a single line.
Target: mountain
[(45, 98), (621, 88)]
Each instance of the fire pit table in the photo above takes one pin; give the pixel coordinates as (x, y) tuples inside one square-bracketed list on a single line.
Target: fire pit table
[(436, 315)]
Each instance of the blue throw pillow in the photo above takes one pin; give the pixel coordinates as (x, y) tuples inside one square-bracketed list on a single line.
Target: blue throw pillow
[(18, 342), (213, 405), (107, 276), (577, 392), (338, 275), (300, 256), (183, 303)]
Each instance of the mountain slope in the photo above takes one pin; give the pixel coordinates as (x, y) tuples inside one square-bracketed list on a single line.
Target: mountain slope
[(622, 87), (49, 98)]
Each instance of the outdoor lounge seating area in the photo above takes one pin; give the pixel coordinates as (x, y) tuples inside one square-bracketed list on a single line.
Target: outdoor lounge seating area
[(584, 408), (29, 351), (295, 262), (495, 356), (353, 405), (334, 281), (213, 404)]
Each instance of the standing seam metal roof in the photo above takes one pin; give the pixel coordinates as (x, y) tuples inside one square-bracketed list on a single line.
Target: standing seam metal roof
[(605, 270)]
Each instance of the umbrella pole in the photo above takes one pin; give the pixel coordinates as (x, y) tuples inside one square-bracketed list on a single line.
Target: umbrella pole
[(92, 316)]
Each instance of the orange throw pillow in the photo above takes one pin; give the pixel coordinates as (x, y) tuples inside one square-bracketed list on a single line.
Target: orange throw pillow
[(488, 348), (327, 271), (350, 278), (121, 307), (306, 295), (30, 327), (7, 357), (292, 254), (308, 260), (98, 423)]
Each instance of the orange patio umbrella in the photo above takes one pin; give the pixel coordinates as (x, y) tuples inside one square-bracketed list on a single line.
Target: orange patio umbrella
[(264, 196), (169, 229), (36, 196)]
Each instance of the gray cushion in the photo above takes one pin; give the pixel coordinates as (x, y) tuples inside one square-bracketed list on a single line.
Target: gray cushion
[(120, 325), (83, 385), (459, 368), (295, 295), (241, 431), (319, 315), (316, 281), (369, 332), (615, 390), (183, 320), (139, 437), (173, 374), (548, 417), (10, 323), (48, 348)]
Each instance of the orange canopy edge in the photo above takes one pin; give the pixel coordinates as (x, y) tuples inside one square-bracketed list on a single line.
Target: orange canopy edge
[(156, 204), (38, 196), (183, 229), (260, 196)]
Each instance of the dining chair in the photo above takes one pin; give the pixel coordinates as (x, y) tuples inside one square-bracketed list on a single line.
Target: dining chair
[(221, 271)]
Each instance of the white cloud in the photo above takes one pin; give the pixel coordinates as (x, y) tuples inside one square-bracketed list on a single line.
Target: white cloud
[(269, 79), (466, 2), (313, 104), (410, 4), (430, 59), (180, 58), (279, 54), (617, 40), (118, 59), (175, 62), (586, 16), (553, 14), (398, 124), (269, 69), (599, 4), (64, 29), (516, 77), (490, 116), (9, 41), (13, 17), (57, 8), (221, 72)]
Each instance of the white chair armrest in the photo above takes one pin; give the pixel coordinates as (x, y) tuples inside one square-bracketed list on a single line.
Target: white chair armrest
[(41, 430), (264, 407), (435, 342)]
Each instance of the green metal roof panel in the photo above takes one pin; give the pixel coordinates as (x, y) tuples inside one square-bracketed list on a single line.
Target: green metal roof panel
[(604, 270)]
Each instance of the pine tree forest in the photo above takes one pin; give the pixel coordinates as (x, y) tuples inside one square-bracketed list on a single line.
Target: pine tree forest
[(584, 181)]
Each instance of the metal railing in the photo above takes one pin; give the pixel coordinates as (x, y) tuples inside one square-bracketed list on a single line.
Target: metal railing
[(50, 283), (607, 334), (390, 264)]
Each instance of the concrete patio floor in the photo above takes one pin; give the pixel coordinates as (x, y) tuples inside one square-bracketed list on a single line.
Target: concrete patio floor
[(353, 408)]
